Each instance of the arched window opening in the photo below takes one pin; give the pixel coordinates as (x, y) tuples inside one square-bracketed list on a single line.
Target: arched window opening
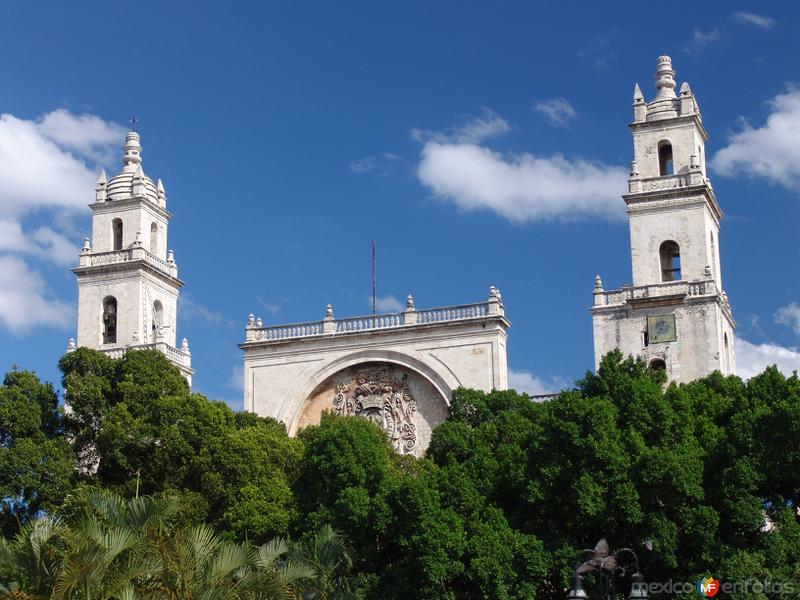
[(665, 158), (116, 230), (670, 261), (727, 354), (658, 365), (153, 239), (109, 320), (158, 320)]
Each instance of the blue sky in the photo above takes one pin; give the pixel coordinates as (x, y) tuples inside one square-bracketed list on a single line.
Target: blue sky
[(479, 143)]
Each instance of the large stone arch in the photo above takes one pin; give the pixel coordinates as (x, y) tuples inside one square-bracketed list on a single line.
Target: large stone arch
[(420, 394)]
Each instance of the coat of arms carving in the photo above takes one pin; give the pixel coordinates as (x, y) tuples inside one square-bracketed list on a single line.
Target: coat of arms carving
[(376, 394)]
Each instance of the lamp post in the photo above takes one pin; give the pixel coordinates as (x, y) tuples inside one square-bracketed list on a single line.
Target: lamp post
[(607, 564)]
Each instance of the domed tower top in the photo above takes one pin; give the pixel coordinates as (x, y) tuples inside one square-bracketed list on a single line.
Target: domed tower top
[(131, 180)]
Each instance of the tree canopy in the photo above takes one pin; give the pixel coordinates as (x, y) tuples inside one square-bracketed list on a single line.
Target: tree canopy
[(509, 493)]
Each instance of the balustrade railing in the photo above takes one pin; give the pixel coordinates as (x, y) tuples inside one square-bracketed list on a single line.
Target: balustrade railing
[(665, 182), (174, 354), (128, 254), (410, 318), (656, 290)]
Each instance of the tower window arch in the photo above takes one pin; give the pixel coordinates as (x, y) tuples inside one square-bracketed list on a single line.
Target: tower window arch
[(670, 255), (665, 166), (158, 319), (153, 238), (109, 320), (116, 233)]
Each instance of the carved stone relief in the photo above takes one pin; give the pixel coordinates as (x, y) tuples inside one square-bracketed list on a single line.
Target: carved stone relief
[(386, 400)]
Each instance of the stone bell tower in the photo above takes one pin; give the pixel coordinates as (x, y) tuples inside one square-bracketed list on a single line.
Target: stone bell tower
[(675, 313), (127, 279)]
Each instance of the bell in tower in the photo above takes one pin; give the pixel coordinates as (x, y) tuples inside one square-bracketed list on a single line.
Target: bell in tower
[(128, 281)]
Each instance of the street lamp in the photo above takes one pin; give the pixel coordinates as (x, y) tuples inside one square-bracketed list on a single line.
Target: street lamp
[(607, 563)]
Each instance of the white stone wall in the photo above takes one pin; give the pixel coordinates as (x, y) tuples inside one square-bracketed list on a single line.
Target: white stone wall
[(686, 221), (137, 216), (280, 377), (685, 136), (134, 312), (699, 349)]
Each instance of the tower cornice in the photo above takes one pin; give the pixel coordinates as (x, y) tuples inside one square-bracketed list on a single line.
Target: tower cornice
[(671, 122), (110, 206)]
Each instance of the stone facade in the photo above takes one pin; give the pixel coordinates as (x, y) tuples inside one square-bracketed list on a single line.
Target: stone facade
[(127, 279), (675, 314), (397, 369)]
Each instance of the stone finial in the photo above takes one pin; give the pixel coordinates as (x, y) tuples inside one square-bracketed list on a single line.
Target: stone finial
[(71, 345), (498, 295), (707, 271), (171, 256), (138, 241), (259, 322), (135, 337), (251, 320), (694, 163), (101, 193), (185, 346), (598, 283), (87, 247), (492, 292), (410, 302), (634, 168), (665, 78), (160, 188), (638, 96), (329, 323), (132, 151)]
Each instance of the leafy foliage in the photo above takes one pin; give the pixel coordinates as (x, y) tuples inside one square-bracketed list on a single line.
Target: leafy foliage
[(509, 493)]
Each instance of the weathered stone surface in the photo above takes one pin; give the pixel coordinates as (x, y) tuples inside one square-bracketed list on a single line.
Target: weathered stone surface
[(669, 202)]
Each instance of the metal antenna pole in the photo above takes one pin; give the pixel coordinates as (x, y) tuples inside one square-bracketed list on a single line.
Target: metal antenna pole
[(374, 272)]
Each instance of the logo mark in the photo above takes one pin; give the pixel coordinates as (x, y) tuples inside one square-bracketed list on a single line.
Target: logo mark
[(708, 587)]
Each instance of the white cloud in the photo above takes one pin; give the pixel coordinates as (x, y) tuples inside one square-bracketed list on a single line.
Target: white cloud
[(771, 151), (191, 310), (23, 299), (43, 162), (48, 166), (471, 130), (789, 315), (760, 21), (42, 243), (382, 165), (701, 39), (752, 359), (526, 382), (522, 187), (556, 111), (88, 135), (387, 304)]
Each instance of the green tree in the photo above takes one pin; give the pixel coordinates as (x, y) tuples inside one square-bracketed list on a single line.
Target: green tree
[(141, 430), (35, 460)]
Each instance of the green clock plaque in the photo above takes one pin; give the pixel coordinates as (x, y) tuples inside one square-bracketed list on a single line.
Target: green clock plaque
[(661, 328)]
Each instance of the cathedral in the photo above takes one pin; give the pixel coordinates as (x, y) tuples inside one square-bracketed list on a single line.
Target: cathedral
[(399, 369)]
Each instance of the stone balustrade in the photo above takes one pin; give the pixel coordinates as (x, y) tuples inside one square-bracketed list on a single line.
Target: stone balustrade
[(665, 182), (255, 332), (176, 355), (703, 287), (88, 259)]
